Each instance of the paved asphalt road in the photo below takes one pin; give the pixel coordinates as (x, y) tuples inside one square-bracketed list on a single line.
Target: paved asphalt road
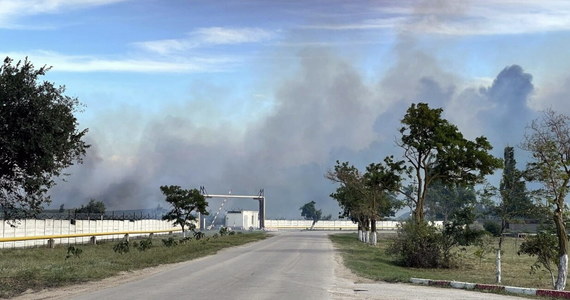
[(290, 265)]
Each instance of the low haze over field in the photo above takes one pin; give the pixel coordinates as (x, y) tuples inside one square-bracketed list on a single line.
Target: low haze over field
[(244, 95)]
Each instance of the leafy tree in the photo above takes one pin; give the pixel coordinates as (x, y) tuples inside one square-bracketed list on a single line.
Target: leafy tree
[(381, 180), (38, 137), (367, 198), (484, 246), (435, 150), (93, 207), (548, 139), (543, 246), (443, 200), (515, 202), (311, 213), (348, 194), (184, 203), (492, 227)]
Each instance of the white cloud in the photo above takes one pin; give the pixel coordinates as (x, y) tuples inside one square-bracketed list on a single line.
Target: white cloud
[(379, 23), (221, 35), (12, 10), (209, 36), (476, 18), (165, 46), (76, 63)]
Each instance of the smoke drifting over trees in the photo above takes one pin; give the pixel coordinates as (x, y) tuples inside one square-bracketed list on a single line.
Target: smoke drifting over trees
[(325, 110)]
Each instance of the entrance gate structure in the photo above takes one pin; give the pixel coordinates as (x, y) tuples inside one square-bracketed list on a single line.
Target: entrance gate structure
[(260, 197)]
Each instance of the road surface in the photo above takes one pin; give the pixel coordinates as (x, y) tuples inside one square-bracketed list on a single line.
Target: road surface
[(290, 265)]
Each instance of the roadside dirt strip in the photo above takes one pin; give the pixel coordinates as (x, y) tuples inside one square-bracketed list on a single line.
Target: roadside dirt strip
[(492, 287)]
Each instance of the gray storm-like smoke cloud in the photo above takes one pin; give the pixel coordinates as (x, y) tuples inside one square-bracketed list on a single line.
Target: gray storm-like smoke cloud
[(326, 111)]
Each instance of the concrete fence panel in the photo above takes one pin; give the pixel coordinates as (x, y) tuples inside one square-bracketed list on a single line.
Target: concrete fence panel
[(37, 228)]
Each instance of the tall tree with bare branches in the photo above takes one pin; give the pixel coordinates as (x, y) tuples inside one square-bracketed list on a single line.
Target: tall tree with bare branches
[(548, 139)]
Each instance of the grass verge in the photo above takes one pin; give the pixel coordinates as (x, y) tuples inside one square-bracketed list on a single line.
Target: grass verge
[(39, 268), (373, 263)]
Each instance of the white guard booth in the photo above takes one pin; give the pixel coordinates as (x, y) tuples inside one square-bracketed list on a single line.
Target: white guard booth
[(242, 219)]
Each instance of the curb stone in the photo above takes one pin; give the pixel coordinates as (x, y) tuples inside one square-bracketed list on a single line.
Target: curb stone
[(492, 287)]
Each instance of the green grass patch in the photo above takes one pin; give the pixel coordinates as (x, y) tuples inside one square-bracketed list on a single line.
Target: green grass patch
[(39, 268), (372, 262)]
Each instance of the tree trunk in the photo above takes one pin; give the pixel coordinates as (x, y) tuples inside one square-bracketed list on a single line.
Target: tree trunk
[(498, 264), (562, 249), (374, 238), (421, 193), (419, 211), (562, 273), (360, 235), (498, 270), (367, 231), (313, 225)]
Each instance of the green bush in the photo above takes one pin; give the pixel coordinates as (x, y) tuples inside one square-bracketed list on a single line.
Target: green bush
[(144, 244), (185, 240), (198, 235), (484, 246), (232, 233), (122, 247), (223, 231), (417, 245), (170, 242), (492, 227), (73, 251), (544, 247)]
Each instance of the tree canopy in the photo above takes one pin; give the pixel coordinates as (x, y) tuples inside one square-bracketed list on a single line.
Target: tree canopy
[(93, 207), (184, 203), (39, 137), (444, 200), (366, 198), (310, 212), (515, 199), (435, 150)]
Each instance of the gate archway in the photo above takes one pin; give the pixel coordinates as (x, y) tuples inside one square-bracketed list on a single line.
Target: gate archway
[(259, 197)]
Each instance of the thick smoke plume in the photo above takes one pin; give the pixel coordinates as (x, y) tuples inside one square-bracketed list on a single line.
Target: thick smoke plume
[(325, 111)]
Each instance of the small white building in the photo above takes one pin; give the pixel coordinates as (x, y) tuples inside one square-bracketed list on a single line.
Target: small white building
[(242, 219)]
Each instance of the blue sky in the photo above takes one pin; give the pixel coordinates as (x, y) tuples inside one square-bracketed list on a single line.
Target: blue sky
[(243, 95)]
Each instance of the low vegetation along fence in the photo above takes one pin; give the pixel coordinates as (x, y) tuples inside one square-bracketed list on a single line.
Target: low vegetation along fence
[(29, 233), (324, 225)]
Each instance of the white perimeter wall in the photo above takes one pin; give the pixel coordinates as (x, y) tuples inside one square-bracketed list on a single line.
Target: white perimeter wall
[(328, 225), (25, 228)]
